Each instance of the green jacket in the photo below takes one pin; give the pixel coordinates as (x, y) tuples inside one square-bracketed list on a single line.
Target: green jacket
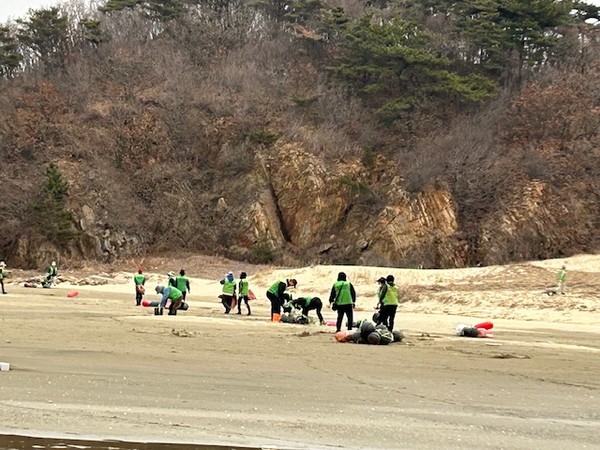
[(174, 293), (343, 293), (1, 273), (391, 295), (244, 287), (182, 283), (277, 288), (562, 276), (52, 271), (139, 279), (228, 287)]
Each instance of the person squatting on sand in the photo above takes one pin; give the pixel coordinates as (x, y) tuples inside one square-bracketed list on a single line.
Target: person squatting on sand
[(342, 299), (244, 291), (278, 297), (139, 280), (182, 283), (172, 294), (228, 292), (307, 304), (51, 274), (388, 301)]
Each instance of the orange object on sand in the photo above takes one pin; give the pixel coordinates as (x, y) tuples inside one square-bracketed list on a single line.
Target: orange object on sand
[(72, 294), (275, 317), (145, 302)]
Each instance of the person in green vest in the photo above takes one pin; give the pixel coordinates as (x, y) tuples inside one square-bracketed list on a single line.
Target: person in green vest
[(343, 300), (277, 296), (243, 293), (182, 283), (561, 278), (169, 294), (2, 275), (307, 304), (228, 292), (139, 279), (51, 275), (388, 302)]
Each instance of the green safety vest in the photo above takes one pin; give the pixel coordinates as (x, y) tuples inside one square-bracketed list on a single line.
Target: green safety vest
[(52, 270), (562, 275), (1, 273), (342, 292), (175, 293), (181, 283), (244, 287), (275, 288), (229, 287), (307, 300), (139, 279), (391, 296)]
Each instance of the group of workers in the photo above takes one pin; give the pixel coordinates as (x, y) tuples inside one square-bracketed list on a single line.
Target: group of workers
[(342, 297), (173, 296)]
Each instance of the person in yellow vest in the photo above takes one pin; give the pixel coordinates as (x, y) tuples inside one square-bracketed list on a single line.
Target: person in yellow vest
[(277, 296), (228, 292), (2, 275), (182, 283), (243, 292), (343, 300), (561, 278), (139, 280), (388, 302)]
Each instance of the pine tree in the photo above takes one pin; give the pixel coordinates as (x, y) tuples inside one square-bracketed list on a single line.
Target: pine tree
[(10, 58), (54, 221)]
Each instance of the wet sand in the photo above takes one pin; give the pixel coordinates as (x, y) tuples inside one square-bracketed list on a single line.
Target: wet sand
[(97, 366)]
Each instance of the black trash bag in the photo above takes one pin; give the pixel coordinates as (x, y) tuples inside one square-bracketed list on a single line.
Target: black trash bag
[(376, 317), (366, 328), (470, 332), (398, 335)]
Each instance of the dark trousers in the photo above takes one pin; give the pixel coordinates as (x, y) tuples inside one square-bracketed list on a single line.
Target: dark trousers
[(316, 304), (245, 299), (387, 314), (276, 303), (184, 292), (227, 301), (138, 297), (2, 283), (341, 311)]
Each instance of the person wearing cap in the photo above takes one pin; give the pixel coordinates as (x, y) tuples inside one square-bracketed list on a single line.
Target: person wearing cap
[(2, 267), (139, 280), (182, 283), (244, 292), (561, 278), (228, 292), (277, 295), (171, 279), (169, 293), (342, 299), (388, 301)]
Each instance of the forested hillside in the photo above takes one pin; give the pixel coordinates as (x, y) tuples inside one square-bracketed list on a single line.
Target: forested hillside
[(427, 133)]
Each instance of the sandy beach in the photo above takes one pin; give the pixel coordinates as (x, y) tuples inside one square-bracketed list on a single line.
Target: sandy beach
[(95, 365)]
